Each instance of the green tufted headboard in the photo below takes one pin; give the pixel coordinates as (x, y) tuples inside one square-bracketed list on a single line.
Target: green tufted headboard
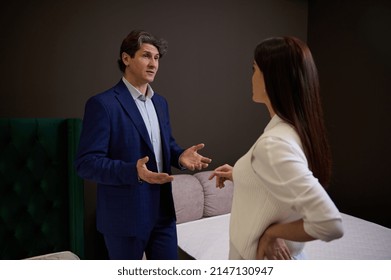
[(41, 197)]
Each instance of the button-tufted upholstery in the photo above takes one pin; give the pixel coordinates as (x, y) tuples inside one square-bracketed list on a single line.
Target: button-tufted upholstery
[(41, 197)]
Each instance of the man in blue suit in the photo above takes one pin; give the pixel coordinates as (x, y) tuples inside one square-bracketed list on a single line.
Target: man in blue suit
[(127, 148)]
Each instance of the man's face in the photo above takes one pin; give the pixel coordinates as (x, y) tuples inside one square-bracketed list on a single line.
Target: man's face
[(142, 68)]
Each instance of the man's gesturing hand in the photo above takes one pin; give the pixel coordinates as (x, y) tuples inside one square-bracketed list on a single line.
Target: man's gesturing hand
[(192, 160), (149, 176)]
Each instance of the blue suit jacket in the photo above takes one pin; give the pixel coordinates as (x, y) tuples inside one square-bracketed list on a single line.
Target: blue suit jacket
[(113, 138)]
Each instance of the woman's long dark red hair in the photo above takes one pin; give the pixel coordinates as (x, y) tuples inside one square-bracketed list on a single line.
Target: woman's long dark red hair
[(292, 84)]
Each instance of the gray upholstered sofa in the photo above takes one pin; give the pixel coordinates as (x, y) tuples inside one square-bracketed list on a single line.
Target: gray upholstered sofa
[(198, 200), (196, 197), (203, 213)]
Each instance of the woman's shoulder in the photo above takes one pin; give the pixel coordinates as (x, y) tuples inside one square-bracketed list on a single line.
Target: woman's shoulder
[(279, 129), (279, 138)]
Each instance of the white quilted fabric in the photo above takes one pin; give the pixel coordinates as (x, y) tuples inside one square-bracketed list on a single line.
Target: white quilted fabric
[(208, 239)]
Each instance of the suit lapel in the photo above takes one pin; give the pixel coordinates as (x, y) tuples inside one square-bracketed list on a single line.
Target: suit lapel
[(160, 111), (164, 131), (128, 104)]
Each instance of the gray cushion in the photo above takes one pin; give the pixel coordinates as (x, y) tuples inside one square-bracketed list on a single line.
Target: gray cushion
[(188, 198), (217, 201), (64, 255)]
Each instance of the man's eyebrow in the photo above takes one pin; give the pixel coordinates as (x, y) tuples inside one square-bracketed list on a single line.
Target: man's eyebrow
[(149, 52)]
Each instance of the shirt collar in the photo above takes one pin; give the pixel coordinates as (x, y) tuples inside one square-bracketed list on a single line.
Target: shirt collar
[(135, 92), (273, 122)]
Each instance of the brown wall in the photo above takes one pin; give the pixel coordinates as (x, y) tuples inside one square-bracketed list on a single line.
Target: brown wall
[(56, 55), (351, 43)]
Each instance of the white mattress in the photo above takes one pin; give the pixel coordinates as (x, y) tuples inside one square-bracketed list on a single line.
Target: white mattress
[(208, 239)]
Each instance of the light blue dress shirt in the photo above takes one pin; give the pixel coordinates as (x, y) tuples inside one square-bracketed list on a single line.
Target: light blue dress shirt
[(148, 113)]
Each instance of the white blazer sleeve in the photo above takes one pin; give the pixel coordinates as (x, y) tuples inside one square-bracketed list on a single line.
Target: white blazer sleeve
[(283, 168)]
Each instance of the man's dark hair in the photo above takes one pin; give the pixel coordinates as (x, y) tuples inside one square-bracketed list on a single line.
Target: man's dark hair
[(132, 43)]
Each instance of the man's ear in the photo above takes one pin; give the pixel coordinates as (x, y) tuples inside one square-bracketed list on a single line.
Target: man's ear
[(125, 58)]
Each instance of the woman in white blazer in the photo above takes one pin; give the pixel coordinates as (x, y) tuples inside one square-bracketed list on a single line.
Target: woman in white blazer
[(279, 199)]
